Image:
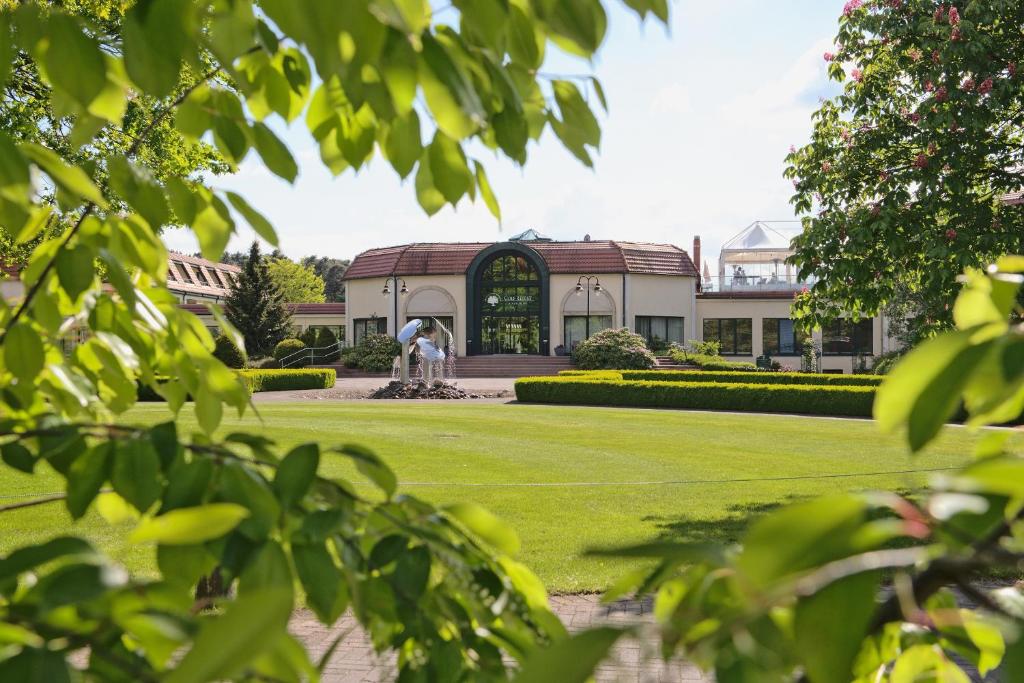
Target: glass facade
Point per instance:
(576, 328)
(781, 337)
(847, 338)
(510, 304)
(660, 331)
(734, 335)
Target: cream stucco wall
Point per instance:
(661, 295)
(564, 300)
(427, 295)
(759, 309)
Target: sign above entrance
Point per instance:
(495, 299)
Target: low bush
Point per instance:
(376, 352)
(268, 363)
(350, 357)
(328, 345)
(227, 353)
(615, 350)
(703, 348)
(854, 401)
(718, 363)
(308, 337)
(285, 380)
(752, 377)
(886, 362)
(595, 374)
(288, 348)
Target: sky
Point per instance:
(701, 116)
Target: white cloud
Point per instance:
(672, 99)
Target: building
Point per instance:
(534, 295)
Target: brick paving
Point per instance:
(635, 660)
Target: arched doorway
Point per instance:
(507, 300)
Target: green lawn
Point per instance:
(569, 478)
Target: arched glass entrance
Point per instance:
(508, 289)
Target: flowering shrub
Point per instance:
(615, 350)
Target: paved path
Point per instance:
(633, 660)
(348, 388)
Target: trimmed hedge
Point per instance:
(754, 377)
(817, 379)
(265, 380)
(853, 401)
(285, 380)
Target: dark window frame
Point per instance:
(719, 324)
(566, 319)
(798, 340)
(381, 323)
(856, 333)
(649, 334)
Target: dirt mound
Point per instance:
(420, 390)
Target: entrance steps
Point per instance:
(666, 363)
(484, 366)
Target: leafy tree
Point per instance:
(256, 305)
(297, 283)
(437, 585)
(332, 271)
(227, 353)
(905, 173)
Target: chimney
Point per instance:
(696, 259)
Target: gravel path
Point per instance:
(349, 388)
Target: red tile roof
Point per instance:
(182, 266)
(453, 258)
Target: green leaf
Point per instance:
(86, 477)
(403, 144)
(73, 60)
(33, 665)
(244, 487)
(157, 38)
(274, 153)
(371, 467)
(576, 26)
(926, 663)
(485, 525)
(321, 579)
(800, 537)
(30, 557)
(138, 187)
(212, 224)
(429, 197)
(575, 112)
(826, 642)
(254, 218)
(526, 41)
(448, 168)
(23, 351)
(75, 270)
(572, 660)
(228, 642)
(18, 457)
(296, 473)
(15, 178)
(448, 92)
(187, 526)
(599, 91)
(923, 390)
(114, 509)
(135, 474)
(268, 569)
(71, 179)
(408, 16)
(486, 192)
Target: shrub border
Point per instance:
(784, 378)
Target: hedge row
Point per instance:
(267, 380)
(285, 380)
(853, 401)
(818, 379)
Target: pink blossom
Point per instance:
(844, 134)
(915, 117)
(950, 234)
(876, 209)
(829, 56)
(883, 176)
(954, 16)
(1012, 69)
(941, 95)
(792, 149)
(929, 86)
(915, 55)
(985, 87)
(932, 148)
(826, 166)
(968, 84)
(936, 57)
(850, 6)
(921, 161)
(857, 75)
(940, 13)
(955, 35)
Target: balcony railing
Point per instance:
(755, 283)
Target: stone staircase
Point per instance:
(666, 363)
(484, 366)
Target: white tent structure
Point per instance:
(755, 259)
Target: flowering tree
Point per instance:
(404, 78)
(904, 179)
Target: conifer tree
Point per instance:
(256, 306)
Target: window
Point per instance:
(847, 338)
(576, 328)
(660, 330)
(202, 276)
(365, 326)
(781, 337)
(734, 335)
(180, 267)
